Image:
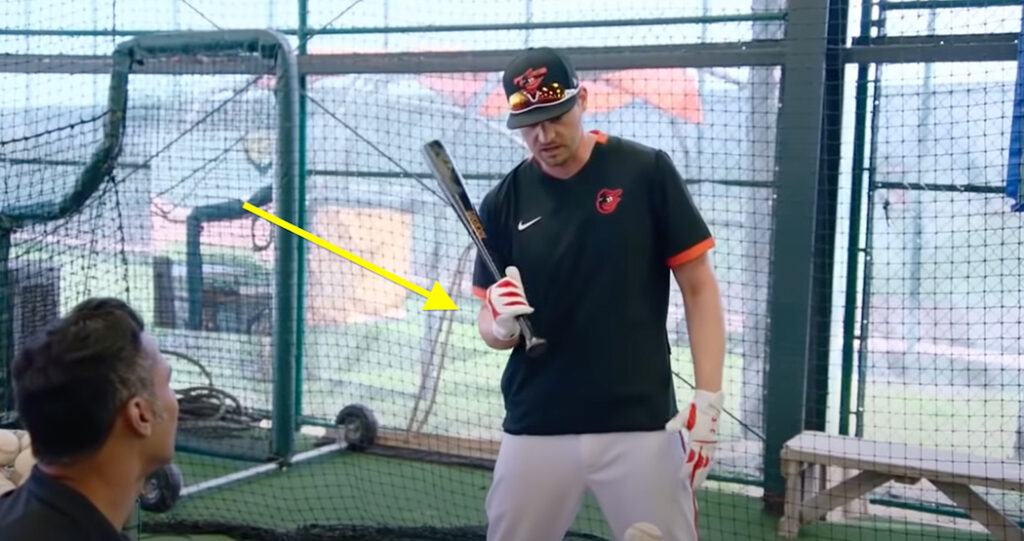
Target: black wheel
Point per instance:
(357, 427)
(162, 489)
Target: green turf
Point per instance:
(354, 488)
(184, 537)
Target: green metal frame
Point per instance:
(853, 245)
(99, 167)
(890, 5)
(795, 219)
(272, 45)
(225, 210)
(816, 410)
(300, 255)
(6, 331)
(127, 55)
(303, 27)
(286, 200)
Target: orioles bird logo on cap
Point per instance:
(531, 79)
(531, 92)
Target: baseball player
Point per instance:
(590, 231)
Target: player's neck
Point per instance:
(112, 486)
(576, 162)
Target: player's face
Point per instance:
(554, 142)
(160, 445)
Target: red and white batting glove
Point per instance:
(701, 422)
(507, 300)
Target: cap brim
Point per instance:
(540, 114)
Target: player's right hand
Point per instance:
(507, 300)
(700, 422)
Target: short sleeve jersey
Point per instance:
(595, 253)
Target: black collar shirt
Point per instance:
(44, 509)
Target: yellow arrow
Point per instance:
(437, 299)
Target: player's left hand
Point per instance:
(701, 421)
(507, 301)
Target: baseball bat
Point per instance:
(452, 185)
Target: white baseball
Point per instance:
(23, 467)
(9, 447)
(643, 531)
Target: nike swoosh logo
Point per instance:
(523, 226)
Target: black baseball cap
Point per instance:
(540, 84)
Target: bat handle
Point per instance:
(535, 345)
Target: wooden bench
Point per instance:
(805, 456)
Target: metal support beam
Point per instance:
(891, 5)
(827, 213)
(944, 48)
(424, 29)
(793, 238)
(301, 216)
(181, 65)
(751, 53)
(549, 25)
(853, 242)
(949, 187)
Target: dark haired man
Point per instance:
(94, 394)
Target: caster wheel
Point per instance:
(162, 488)
(357, 427)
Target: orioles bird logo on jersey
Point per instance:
(608, 199)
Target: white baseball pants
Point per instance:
(539, 483)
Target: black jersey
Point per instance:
(46, 509)
(595, 253)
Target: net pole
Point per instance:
(287, 204)
(300, 287)
(6, 321)
(854, 237)
(794, 220)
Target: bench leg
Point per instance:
(789, 524)
(980, 510)
(841, 494)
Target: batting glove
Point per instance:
(507, 300)
(701, 421)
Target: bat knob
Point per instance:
(535, 346)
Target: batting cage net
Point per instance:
(872, 371)
(934, 334)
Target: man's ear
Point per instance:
(581, 98)
(139, 416)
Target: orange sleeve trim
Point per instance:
(479, 292)
(691, 253)
(602, 137)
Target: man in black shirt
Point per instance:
(589, 230)
(94, 394)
